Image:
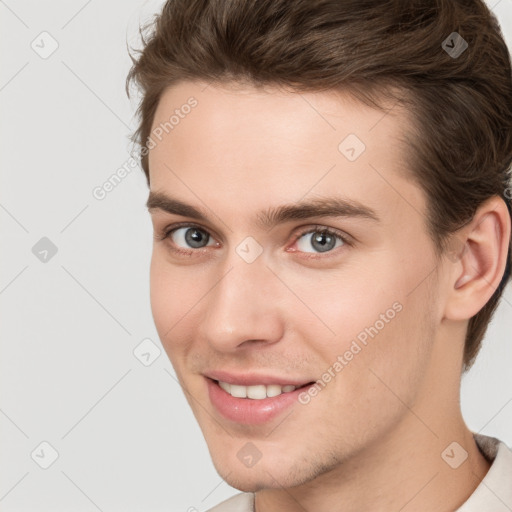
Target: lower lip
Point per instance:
(250, 411)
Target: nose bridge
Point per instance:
(240, 306)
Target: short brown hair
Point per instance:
(461, 105)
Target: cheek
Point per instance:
(356, 301)
(171, 296)
(388, 368)
(381, 327)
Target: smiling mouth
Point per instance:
(258, 391)
(255, 403)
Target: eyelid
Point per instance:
(169, 229)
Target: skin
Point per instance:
(372, 438)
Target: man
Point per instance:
(330, 200)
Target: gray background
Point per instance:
(125, 436)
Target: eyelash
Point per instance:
(166, 233)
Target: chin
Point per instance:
(248, 481)
(245, 484)
(264, 475)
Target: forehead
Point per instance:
(270, 114)
(269, 146)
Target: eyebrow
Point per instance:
(318, 207)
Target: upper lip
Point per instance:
(253, 379)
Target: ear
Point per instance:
(482, 256)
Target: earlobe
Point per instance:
(481, 264)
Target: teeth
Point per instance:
(225, 386)
(257, 392)
(238, 391)
(273, 390)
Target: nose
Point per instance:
(244, 308)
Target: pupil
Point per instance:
(324, 242)
(194, 237)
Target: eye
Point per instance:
(187, 238)
(321, 239)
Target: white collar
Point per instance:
(495, 490)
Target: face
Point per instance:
(259, 287)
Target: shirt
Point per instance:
(493, 494)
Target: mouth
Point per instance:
(253, 404)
